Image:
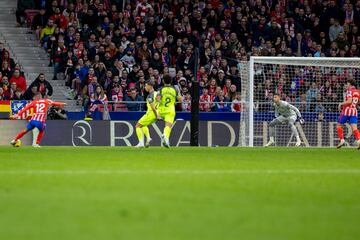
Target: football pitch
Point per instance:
(179, 193)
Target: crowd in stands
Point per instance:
(13, 83)
(106, 49)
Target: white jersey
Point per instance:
(285, 109)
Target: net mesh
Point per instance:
(314, 85)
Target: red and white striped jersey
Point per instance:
(40, 108)
(351, 109)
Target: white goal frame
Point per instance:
(248, 98)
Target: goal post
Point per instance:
(314, 85)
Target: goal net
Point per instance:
(314, 85)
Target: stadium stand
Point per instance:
(31, 60)
(124, 43)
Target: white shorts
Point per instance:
(286, 120)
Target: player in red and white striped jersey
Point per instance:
(349, 113)
(40, 107)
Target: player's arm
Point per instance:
(292, 107)
(347, 102)
(56, 104)
(24, 109)
(153, 108)
(158, 95)
(150, 99)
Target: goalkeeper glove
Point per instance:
(302, 121)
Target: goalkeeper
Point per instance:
(285, 113)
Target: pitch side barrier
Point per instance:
(212, 133)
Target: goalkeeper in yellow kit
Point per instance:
(149, 117)
(167, 97)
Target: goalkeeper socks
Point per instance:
(139, 134)
(340, 133)
(39, 137)
(357, 134)
(146, 132)
(20, 135)
(167, 131)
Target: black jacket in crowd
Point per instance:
(37, 83)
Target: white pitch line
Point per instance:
(179, 172)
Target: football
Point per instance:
(18, 143)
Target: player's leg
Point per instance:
(353, 123)
(142, 129)
(169, 120)
(139, 134)
(291, 123)
(166, 134)
(151, 118)
(277, 121)
(146, 132)
(41, 126)
(28, 128)
(342, 120)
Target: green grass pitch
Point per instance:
(179, 193)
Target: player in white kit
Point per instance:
(285, 113)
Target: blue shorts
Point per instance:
(348, 119)
(36, 124)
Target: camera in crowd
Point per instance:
(57, 113)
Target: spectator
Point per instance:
(39, 22)
(187, 60)
(42, 86)
(6, 69)
(6, 87)
(117, 97)
(221, 103)
(335, 29)
(311, 97)
(319, 108)
(18, 67)
(2, 93)
(30, 93)
(5, 58)
(59, 52)
(18, 95)
(19, 80)
(128, 59)
(231, 95)
(23, 5)
(89, 90)
(299, 46)
(206, 101)
(12, 90)
(226, 86)
(47, 31)
(98, 97)
(59, 19)
(236, 103)
(212, 87)
(133, 101)
(186, 103)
